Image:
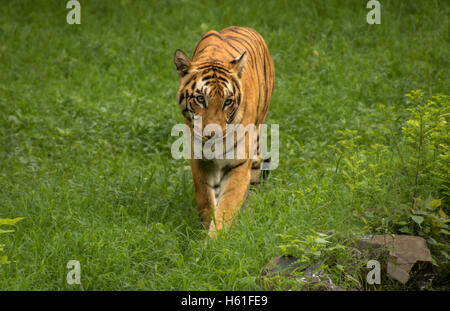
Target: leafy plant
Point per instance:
(427, 142)
(307, 249)
(426, 218)
(326, 253)
(6, 222)
(427, 136)
(411, 157)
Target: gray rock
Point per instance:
(288, 267)
(403, 258)
(408, 256)
(317, 279)
(282, 265)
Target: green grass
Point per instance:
(86, 113)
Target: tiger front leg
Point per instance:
(203, 192)
(236, 181)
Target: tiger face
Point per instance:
(211, 91)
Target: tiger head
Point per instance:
(211, 90)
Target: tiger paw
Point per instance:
(213, 230)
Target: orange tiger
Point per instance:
(229, 80)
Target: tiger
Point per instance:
(229, 81)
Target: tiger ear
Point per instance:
(239, 63)
(182, 62)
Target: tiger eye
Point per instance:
(228, 102)
(200, 99)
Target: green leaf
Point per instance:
(421, 212)
(436, 203)
(9, 221)
(445, 231)
(445, 255)
(417, 219)
(4, 260)
(321, 241)
(432, 241)
(319, 233)
(404, 230)
(6, 231)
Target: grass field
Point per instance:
(86, 113)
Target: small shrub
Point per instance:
(400, 183)
(6, 222)
(326, 252)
